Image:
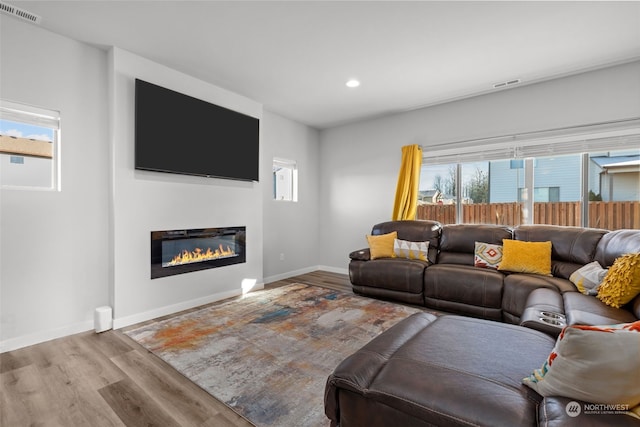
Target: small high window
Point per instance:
(285, 180)
(29, 146)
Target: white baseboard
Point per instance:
(305, 270)
(43, 336)
(336, 270)
(288, 274)
(174, 308)
(48, 335)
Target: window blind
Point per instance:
(606, 136)
(29, 114)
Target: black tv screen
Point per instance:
(177, 133)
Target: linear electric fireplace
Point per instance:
(184, 251)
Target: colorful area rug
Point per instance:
(268, 354)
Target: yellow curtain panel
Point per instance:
(406, 203)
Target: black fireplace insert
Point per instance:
(183, 251)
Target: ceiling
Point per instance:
(296, 56)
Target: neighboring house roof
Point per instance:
(605, 161)
(629, 166)
(430, 195)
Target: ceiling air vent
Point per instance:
(19, 13)
(505, 84)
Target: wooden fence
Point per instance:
(607, 215)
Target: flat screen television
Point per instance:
(177, 133)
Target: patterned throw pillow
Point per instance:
(526, 257)
(410, 250)
(487, 255)
(622, 282)
(588, 278)
(381, 246)
(596, 364)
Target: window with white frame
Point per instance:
(285, 180)
(583, 176)
(29, 147)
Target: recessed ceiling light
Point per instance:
(353, 83)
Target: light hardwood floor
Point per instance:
(107, 379)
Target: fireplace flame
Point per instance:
(199, 255)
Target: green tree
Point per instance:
(437, 183)
(449, 183)
(478, 187)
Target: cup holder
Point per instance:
(552, 315)
(551, 321)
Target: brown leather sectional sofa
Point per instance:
(467, 370)
(451, 371)
(450, 282)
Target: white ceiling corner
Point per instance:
(296, 56)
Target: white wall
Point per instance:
(291, 228)
(359, 162)
(53, 260)
(65, 253)
(95, 232)
(148, 201)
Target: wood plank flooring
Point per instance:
(107, 379)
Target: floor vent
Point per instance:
(504, 84)
(19, 13)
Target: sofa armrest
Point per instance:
(360, 255)
(544, 311)
(554, 412)
(545, 299)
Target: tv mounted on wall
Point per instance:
(177, 133)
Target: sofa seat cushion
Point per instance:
(583, 309)
(517, 288)
(462, 285)
(398, 274)
(449, 370)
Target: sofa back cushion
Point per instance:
(571, 247)
(458, 241)
(617, 243)
(414, 231)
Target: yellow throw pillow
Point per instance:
(381, 246)
(526, 257)
(622, 282)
